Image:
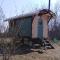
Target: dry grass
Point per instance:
(52, 54)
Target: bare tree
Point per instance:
(3, 25)
(55, 32)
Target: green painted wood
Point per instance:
(40, 29)
(23, 27)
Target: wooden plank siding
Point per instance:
(22, 26)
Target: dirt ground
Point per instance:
(51, 54)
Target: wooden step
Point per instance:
(48, 45)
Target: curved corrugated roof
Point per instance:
(39, 12)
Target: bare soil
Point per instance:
(50, 54)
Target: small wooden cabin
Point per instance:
(31, 25)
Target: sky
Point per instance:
(12, 8)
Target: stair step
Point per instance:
(48, 45)
(46, 41)
(51, 47)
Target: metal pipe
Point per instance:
(49, 4)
